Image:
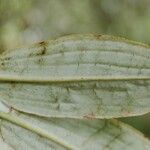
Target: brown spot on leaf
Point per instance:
(97, 36)
(2, 64)
(40, 52)
(89, 116)
(7, 58)
(43, 44)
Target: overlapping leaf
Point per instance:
(78, 76)
(27, 132)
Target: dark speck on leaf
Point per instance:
(2, 63)
(97, 35)
(7, 58)
(41, 51)
(43, 44)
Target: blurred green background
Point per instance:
(24, 22)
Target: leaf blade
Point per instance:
(73, 100)
(81, 76)
(80, 134)
(76, 51)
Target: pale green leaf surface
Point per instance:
(95, 99)
(78, 76)
(77, 57)
(37, 133)
(4, 145)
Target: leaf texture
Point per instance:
(45, 86)
(80, 76)
(22, 132)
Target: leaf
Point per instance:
(80, 76)
(22, 131)
(4, 146)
